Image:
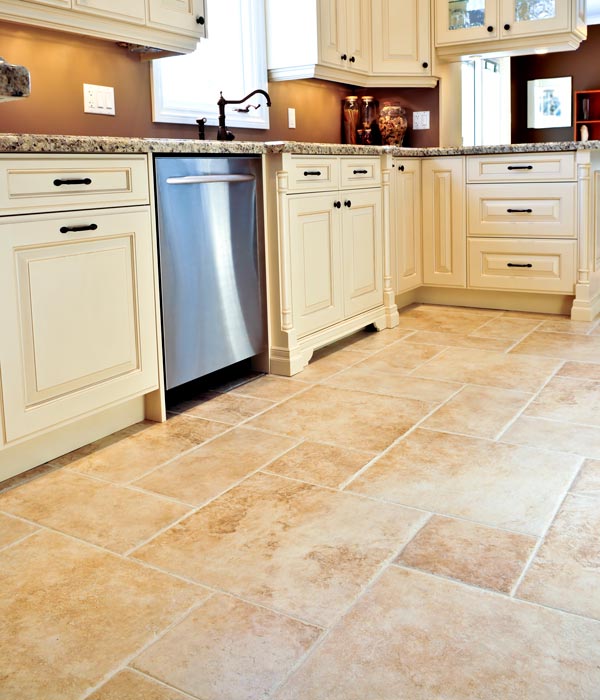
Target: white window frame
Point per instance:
(186, 109)
(475, 108)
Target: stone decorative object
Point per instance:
(14, 81)
(392, 124)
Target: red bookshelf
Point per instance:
(586, 110)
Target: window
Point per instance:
(485, 101)
(232, 59)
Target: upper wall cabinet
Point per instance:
(508, 27)
(167, 25)
(368, 43)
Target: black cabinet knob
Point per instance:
(490, 29)
(506, 27)
(425, 65)
(200, 19)
(401, 168)
(352, 59)
(344, 57)
(348, 203)
(337, 205)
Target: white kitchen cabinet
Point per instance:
(507, 27)
(169, 25)
(328, 253)
(367, 43)
(405, 214)
(444, 231)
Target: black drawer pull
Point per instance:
(78, 181)
(520, 167)
(360, 172)
(520, 211)
(77, 229)
(311, 172)
(519, 265)
(337, 205)
(348, 203)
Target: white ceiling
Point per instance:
(593, 11)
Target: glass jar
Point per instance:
(350, 118)
(392, 124)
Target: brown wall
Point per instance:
(60, 63)
(584, 67)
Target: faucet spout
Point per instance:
(222, 133)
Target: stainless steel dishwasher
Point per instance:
(211, 261)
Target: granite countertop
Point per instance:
(44, 143)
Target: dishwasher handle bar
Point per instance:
(204, 179)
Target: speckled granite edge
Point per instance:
(45, 143)
(14, 82)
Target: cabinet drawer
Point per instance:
(308, 174)
(360, 172)
(522, 266)
(521, 167)
(528, 209)
(57, 183)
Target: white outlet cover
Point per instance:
(98, 99)
(420, 120)
(291, 118)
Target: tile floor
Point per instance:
(416, 515)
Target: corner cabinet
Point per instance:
(507, 27)
(329, 259)
(367, 43)
(173, 26)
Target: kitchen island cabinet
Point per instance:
(405, 215)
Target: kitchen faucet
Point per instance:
(222, 133)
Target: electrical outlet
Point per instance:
(420, 120)
(98, 99)
(291, 118)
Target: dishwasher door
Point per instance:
(211, 263)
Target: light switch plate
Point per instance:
(98, 99)
(420, 120)
(291, 118)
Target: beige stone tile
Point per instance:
(349, 418)
(565, 325)
(510, 328)
(566, 399)
(565, 573)
(72, 613)
(270, 387)
(553, 435)
(445, 319)
(129, 685)
(567, 346)
(12, 529)
(580, 370)
(129, 456)
(401, 357)
(492, 483)
(323, 465)
(214, 467)
(293, 547)
(228, 408)
(418, 637)
(104, 514)
(228, 650)
(478, 410)
(473, 366)
(369, 341)
(326, 362)
(458, 340)
(587, 482)
(29, 475)
(476, 554)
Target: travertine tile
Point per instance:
(131, 456)
(566, 399)
(326, 362)
(228, 650)
(215, 466)
(587, 482)
(420, 637)
(228, 408)
(323, 465)
(567, 346)
(29, 475)
(270, 387)
(476, 554)
(472, 366)
(566, 570)
(107, 515)
(12, 529)
(478, 410)
(445, 319)
(369, 341)
(288, 545)
(566, 325)
(458, 340)
(583, 440)
(72, 613)
(348, 418)
(489, 482)
(580, 370)
(510, 328)
(129, 685)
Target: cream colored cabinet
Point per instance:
(405, 214)
(511, 27)
(444, 232)
(169, 25)
(368, 43)
(329, 266)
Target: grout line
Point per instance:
(20, 539)
(158, 681)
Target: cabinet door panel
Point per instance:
(444, 233)
(179, 15)
(332, 33)
(400, 37)
(406, 224)
(457, 22)
(316, 262)
(524, 18)
(358, 40)
(130, 11)
(362, 250)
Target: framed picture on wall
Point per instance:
(549, 103)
